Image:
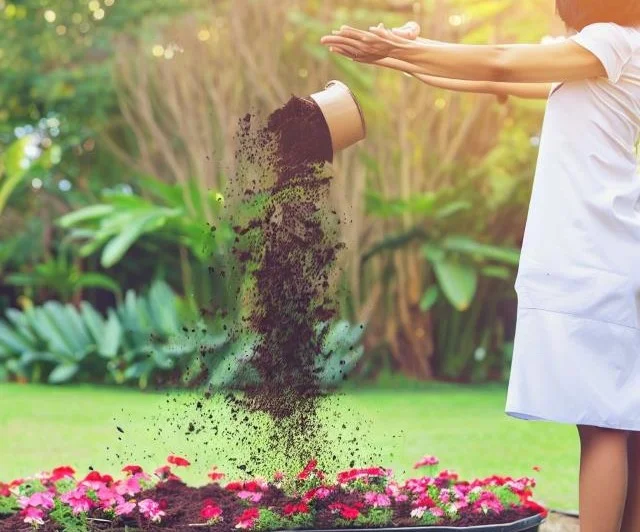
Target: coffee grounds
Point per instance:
(285, 249)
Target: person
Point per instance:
(576, 355)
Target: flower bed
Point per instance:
(357, 498)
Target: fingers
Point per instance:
(337, 40)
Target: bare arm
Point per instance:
(521, 90)
(535, 63)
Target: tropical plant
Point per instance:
(60, 343)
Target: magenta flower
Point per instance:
(426, 461)
(377, 500)
(128, 486)
(42, 499)
(33, 516)
(253, 496)
(77, 499)
(108, 497)
(125, 508)
(150, 509)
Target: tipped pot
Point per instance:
(342, 113)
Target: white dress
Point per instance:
(576, 355)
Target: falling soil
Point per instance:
(285, 249)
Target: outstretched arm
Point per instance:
(534, 63)
(500, 89)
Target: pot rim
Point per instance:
(521, 525)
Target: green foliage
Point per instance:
(506, 495)
(62, 277)
(375, 517)
(124, 219)
(64, 516)
(8, 505)
(298, 521)
(268, 520)
(141, 337)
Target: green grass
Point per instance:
(465, 427)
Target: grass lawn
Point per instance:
(464, 426)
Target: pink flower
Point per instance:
(178, 461)
(125, 508)
(215, 475)
(377, 500)
(278, 476)
(42, 499)
(33, 516)
(150, 509)
(128, 486)
(248, 518)
(77, 499)
(320, 492)
(253, 496)
(62, 472)
(210, 511)
(426, 461)
(108, 497)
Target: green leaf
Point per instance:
(458, 282)
(93, 320)
(468, 245)
(63, 373)
(92, 212)
(429, 297)
(499, 272)
(12, 339)
(111, 338)
(433, 252)
(453, 207)
(98, 280)
(120, 244)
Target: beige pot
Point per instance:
(342, 114)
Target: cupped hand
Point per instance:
(411, 30)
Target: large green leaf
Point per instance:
(98, 280)
(458, 282)
(111, 338)
(429, 298)
(63, 373)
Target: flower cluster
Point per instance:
(365, 497)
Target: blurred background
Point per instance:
(117, 123)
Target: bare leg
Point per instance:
(603, 478)
(631, 519)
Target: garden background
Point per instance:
(117, 122)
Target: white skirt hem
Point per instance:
(631, 426)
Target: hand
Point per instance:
(411, 30)
(365, 46)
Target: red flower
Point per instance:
(308, 469)
(215, 475)
(210, 510)
(346, 512)
(132, 469)
(234, 486)
(4, 490)
(95, 476)
(165, 473)
(295, 508)
(163, 504)
(178, 460)
(62, 472)
(532, 505)
(353, 474)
